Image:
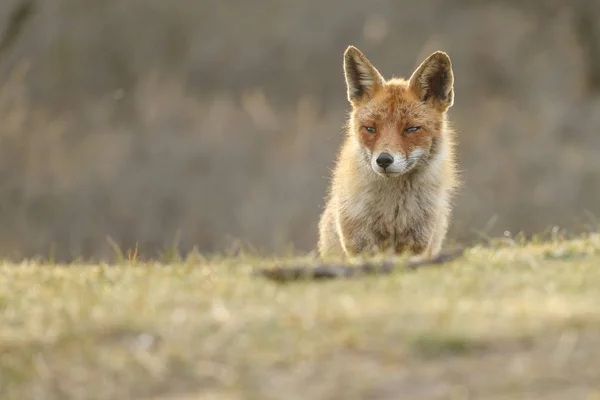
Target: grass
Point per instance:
(509, 321)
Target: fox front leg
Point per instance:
(353, 237)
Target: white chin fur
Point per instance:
(386, 174)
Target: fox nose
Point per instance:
(384, 160)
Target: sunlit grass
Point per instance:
(503, 321)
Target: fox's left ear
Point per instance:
(433, 81)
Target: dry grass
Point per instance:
(514, 320)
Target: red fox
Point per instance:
(395, 174)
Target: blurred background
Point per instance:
(210, 123)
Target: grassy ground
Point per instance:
(505, 322)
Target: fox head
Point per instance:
(398, 123)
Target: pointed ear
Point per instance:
(433, 81)
(362, 79)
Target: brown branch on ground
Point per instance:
(333, 271)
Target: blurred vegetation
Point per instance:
(155, 123)
(511, 321)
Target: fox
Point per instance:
(395, 174)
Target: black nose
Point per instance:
(384, 160)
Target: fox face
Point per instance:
(398, 123)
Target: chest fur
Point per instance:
(398, 215)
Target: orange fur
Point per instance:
(404, 204)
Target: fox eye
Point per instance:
(411, 129)
(370, 129)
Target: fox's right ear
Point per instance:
(362, 79)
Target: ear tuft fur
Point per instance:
(433, 81)
(362, 79)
